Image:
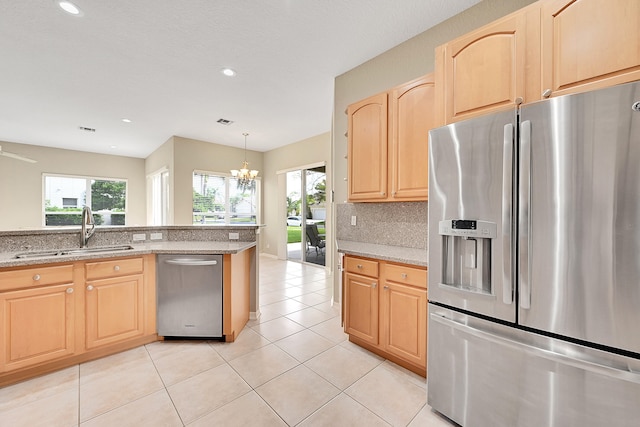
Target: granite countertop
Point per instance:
(7, 259)
(400, 254)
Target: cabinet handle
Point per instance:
(519, 100)
(383, 193)
(69, 290)
(116, 268)
(546, 93)
(374, 285)
(403, 275)
(359, 266)
(36, 277)
(386, 287)
(90, 287)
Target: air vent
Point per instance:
(86, 129)
(224, 122)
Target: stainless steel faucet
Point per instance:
(87, 219)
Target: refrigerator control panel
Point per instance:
(467, 228)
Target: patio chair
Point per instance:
(313, 238)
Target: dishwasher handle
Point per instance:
(191, 262)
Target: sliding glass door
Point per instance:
(306, 215)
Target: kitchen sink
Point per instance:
(74, 251)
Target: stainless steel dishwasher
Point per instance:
(190, 296)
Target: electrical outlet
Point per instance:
(139, 237)
(234, 236)
(353, 220)
(156, 236)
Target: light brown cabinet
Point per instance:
(361, 298)
(37, 323)
(388, 137)
(549, 48)
(114, 301)
(386, 310)
(57, 315)
(589, 44)
(490, 69)
(367, 149)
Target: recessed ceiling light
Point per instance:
(228, 72)
(69, 7)
(113, 147)
(126, 120)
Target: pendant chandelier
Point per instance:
(245, 176)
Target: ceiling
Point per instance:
(158, 63)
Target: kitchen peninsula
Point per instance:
(60, 305)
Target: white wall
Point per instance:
(21, 182)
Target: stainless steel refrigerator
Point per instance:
(534, 264)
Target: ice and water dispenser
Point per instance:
(466, 254)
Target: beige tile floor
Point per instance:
(294, 366)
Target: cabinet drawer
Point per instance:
(407, 275)
(114, 268)
(361, 266)
(37, 276)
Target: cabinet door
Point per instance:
(37, 325)
(589, 44)
(493, 68)
(361, 314)
(404, 322)
(412, 117)
(114, 310)
(367, 149)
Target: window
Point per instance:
(219, 199)
(69, 202)
(158, 188)
(64, 197)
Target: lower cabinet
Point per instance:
(404, 320)
(114, 301)
(62, 314)
(37, 325)
(361, 316)
(386, 309)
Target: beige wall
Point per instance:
(190, 155)
(303, 153)
(161, 158)
(402, 63)
(21, 189)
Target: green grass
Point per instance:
(293, 234)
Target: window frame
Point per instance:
(227, 212)
(87, 192)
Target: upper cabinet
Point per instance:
(492, 68)
(367, 148)
(549, 48)
(412, 117)
(589, 44)
(388, 143)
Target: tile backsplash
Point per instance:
(396, 224)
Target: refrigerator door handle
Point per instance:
(524, 220)
(507, 209)
(621, 373)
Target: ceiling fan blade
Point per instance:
(16, 156)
